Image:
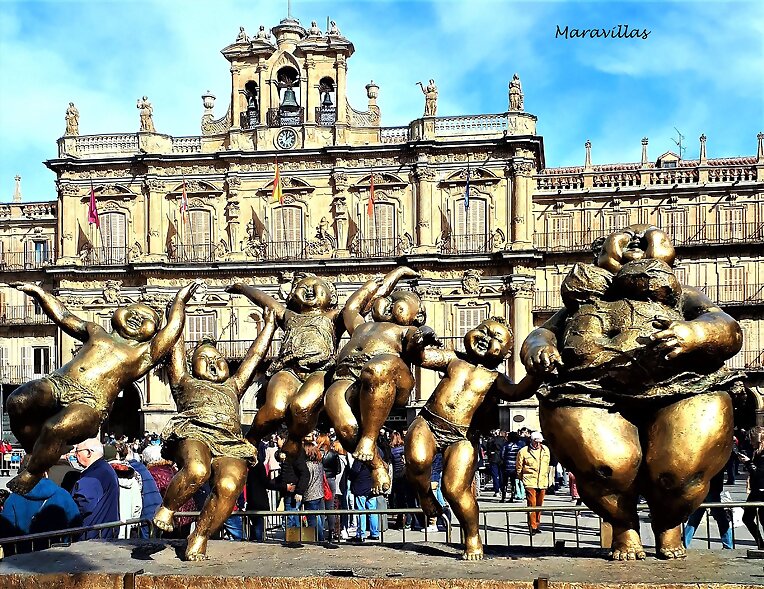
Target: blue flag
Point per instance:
(467, 190)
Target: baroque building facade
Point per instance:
(357, 199)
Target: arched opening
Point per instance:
(251, 117)
(289, 111)
(326, 113)
(125, 416)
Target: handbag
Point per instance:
(328, 495)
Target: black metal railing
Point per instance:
(285, 250)
(30, 260)
(566, 241)
(468, 243)
(106, 256)
(384, 247)
(22, 315)
(235, 349)
(326, 116)
(735, 294)
(199, 252)
(19, 374)
(249, 119)
(281, 118)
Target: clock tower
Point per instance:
(288, 91)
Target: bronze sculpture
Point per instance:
(445, 423)
(204, 437)
(373, 370)
(635, 399)
(69, 405)
(312, 326)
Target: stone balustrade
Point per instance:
(394, 134)
(114, 143)
(191, 144)
(470, 124)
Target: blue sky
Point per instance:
(701, 69)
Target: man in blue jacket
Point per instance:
(97, 492)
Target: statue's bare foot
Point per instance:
(669, 544)
(163, 519)
(197, 548)
(473, 549)
(366, 449)
(430, 505)
(23, 482)
(380, 480)
(626, 545)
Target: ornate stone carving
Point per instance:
(428, 292)
(522, 168)
(340, 180)
(324, 244)
(471, 281)
(111, 291)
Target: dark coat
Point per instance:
(96, 494)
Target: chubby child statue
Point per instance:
(635, 399)
(204, 438)
(445, 423)
(70, 404)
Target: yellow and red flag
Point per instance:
(370, 203)
(278, 195)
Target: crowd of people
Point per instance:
(105, 481)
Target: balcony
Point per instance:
(326, 116)
(106, 256)
(22, 315)
(285, 250)
(280, 118)
(18, 374)
(200, 252)
(748, 360)
(388, 247)
(735, 294)
(717, 234)
(31, 260)
(236, 349)
(469, 243)
(570, 241)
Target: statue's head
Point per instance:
(138, 322)
(311, 292)
(635, 242)
(207, 363)
(490, 342)
(401, 307)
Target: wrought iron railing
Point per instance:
(748, 360)
(717, 233)
(30, 260)
(281, 118)
(468, 243)
(22, 315)
(106, 256)
(384, 247)
(285, 250)
(567, 241)
(236, 349)
(735, 294)
(199, 252)
(326, 116)
(19, 374)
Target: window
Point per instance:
(731, 220)
(559, 231)
(287, 232)
(467, 318)
(470, 227)
(40, 361)
(381, 229)
(674, 224)
(612, 222)
(199, 245)
(732, 287)
(113, 237)
(200, 326)
(681, 275)
(105, 322)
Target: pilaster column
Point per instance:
(521, 287)
(340, 181)
(522, 204)
(261, 83)
(310, 110)
(152, 191)
(235, 104)
(341, 67)
(424, 177)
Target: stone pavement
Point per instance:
(155, 564)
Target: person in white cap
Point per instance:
(533, 468)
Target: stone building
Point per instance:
(357, 199)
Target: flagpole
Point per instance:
(99, 231)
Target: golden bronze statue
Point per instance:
(635, 399)
(312, 326)
(445, 424)
(373, 370)
(69, 405)
(204, 438)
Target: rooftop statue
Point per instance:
(72, 120)
(515, 94)
(430, 98)
(147, 115)
(636, 396)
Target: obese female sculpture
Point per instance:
(635, 400)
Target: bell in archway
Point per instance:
(289, 101)
(327, 101)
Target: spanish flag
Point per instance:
(370, 203)
(278, 195)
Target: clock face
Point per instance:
(286, 139)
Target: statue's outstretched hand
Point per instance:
(543, 359)
(675, 337)
(425, 336)
(27, 287)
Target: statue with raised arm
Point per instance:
(70, 404)
(204, 438)
(373, 371)
(635, 399)
(313, 326)
(147, 115)
(446, 423)
(72, 120)
(430, 98)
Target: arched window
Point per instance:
(326, 112)
(250, 118)
(287, 232)
(289, 111)
(198, 247)
(113, 236)
(471, 227)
